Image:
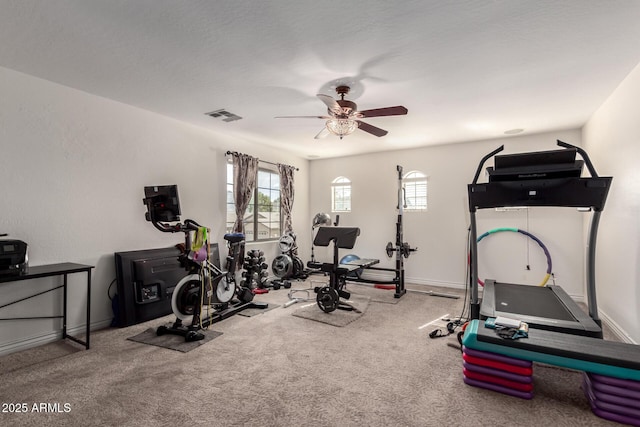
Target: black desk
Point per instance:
(62, 269)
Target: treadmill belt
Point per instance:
(531, 301)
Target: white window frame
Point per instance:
(413, 200)
(341, 192)
(255, 234)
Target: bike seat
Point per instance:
(234, 237)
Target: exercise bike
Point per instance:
(206, 285)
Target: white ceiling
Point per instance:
(465, 69)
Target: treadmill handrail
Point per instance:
(584, 156)
(579, 150)
(483, 161)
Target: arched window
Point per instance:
(341, 195)
(415, 191)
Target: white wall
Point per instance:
(441, 233)
(611, 138)
(73, 168)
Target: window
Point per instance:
(262, 218)
(415, 191)
(341, 195)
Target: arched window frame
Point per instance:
(341, 194)
(415, 191)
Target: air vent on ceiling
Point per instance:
(223, 114)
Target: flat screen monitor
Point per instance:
(146, 280)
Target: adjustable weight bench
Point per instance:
(328, 298)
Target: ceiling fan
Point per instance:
(343, 118)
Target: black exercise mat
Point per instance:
(250, 312)
(338, 318)
(173, 342)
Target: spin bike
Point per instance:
(207, 286)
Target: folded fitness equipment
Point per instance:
(207, 285)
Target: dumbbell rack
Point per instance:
(255, 272)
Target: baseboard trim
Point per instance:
(615, 328)
(373, 276)
(38, 340)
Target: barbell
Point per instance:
(405, 249)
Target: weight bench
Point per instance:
(328, 298)
(612, 369)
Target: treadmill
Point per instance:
(545, 178)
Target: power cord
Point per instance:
(451, 328)
(463, 318)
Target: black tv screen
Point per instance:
(146, 280)
(162, 203)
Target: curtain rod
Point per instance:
(235, 153)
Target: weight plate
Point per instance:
(287, 242)
(298, 266)
(327, 299)
(405, 250)
(390, 250)
(282, 266)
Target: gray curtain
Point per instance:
(286, 194)
(245, 173)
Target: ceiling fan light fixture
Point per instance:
(341, 127)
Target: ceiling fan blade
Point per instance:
(323, 133)
(378, 112)
(303, 117)
(334, 107)
(371, 129)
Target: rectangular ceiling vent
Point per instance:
(223, 114)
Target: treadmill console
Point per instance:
(537, 165)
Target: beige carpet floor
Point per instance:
(277, 369)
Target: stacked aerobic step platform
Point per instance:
(498, 373)
(614, 399)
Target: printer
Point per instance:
(14, 259)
